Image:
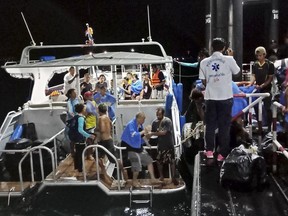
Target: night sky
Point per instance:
(177, 24)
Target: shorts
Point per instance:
(165, 156)
(138, 160)
(108, 144)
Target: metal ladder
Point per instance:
(144, 190)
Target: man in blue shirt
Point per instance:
(107, 99)
(132, 139)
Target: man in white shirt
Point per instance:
(70, 80)
(216, 73)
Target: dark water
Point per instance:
(90, 200)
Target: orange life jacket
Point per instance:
(155, 78)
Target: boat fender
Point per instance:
(168, 105)
(174, 87)
(17, 133)
(182, 121)
(179, 96)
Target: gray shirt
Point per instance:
(164, 142)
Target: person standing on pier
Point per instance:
(216, 74)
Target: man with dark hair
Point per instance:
(158, 82)
(163, 129)
(262, 76)
(70, 80)
(105, 139)
(81, 136)
(109, 100)
(216, 73)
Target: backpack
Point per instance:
(73, 132)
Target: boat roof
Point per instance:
(92, 59)
(98, 59)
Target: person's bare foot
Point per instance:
(175, 181)
(156, 181)
(125, 175)
(136, 184)
(90, 158)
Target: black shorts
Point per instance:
(108, 144)
(165, 156)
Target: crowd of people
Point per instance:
(93, 122)
(213, 104)
(212, 99)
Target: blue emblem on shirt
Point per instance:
(215, 67)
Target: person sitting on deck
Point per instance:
(101, 82)
(80, 137)
(147, 88)
(162, 127)
(132, 139)
(104, 129)
(86, 85)
(109, 100)
(126, 88)
(136, 87)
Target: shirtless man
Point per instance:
(105, 138)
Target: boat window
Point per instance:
(56, 82)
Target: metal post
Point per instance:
(237, 42)
(208, 24)
(222, 15)
(274, 21)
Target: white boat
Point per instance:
(45, 112)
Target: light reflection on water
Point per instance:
(86, 201)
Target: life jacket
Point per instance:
(155, 78)
(73, 132)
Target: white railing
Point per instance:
(97, 162)
(275, 106)
(7, 121)
(249, 108)
(29, 152)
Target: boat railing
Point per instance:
(7, 121)
(97, 162)
(33, 149)
(49, 104)
(248, 109)
(25, 57)
(30, 152)
(10, 120)
(277, 145)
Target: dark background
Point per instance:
(177, 24)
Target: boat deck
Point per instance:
(65, 175)
(213, 199)
(14, 188)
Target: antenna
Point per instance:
(32, 40)
(148, 16)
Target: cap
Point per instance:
(145, 73)
(88, 94)
(260, 50)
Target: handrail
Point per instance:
(248, 108)
(97, 160)
(31, 164)
(8, 114)
(277, 105)
(8, 123)
(25, 57)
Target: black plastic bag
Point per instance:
(243, 170)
